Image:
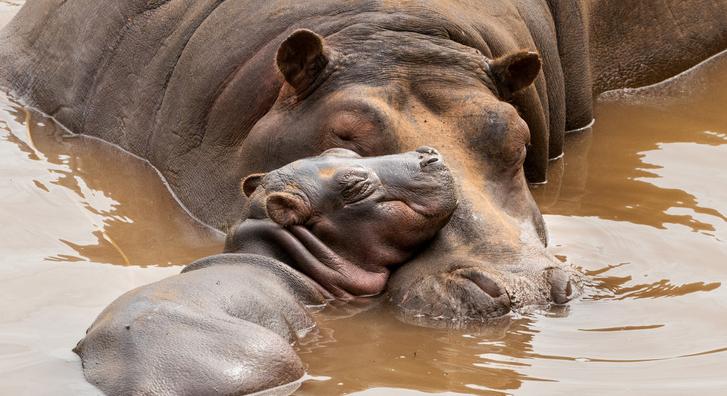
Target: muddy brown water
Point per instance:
(639, 203)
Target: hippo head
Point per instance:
(380, 91)
(352, 216)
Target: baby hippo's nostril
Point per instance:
(427, 161)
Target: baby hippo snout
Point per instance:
(427, 156)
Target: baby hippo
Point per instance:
(316, 229)
(346, 218)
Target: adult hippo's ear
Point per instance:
(301, 58)
(514, 72)
(249, 184)
(287, 209)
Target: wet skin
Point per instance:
(212, 91)
(318, 229)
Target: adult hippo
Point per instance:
(209, 91)
(224, 326)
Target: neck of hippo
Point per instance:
(297, 247)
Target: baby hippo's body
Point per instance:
(316, 229)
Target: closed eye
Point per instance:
(357, 189)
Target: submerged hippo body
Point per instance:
(318, 229)
(210, 91)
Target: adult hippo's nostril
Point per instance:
(486, 284)
(561, 290)
(500, 300)
(461, 295)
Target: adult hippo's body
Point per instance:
(210, 91)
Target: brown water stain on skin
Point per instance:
(327, 172)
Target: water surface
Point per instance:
(639, 203)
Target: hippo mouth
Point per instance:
(340, 277)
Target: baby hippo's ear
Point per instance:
(287, 209)
(251, 183)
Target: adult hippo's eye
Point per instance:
(503, 137)
(360, 131)
(518, 143)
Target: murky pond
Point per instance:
(640, 203)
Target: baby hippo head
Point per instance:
(372, 211)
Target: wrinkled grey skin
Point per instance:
(318, 229)
(226, 328)
(210, 91)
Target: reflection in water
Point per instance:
(136, 220)
(661, 288)
(403, 356)
(614, 182)
(626, 328)
(74, 200)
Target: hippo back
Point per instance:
(180, 82)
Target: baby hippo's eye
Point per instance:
(356, 184)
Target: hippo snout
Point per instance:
(427, 161)
(464, 288)
(428, 156)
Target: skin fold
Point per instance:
(320, 229)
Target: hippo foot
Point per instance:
(478, 292)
